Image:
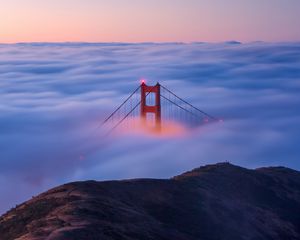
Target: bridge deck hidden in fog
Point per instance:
(154, 108)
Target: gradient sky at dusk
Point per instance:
(145, 20)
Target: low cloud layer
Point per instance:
(53, 97)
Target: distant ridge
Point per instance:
(233, 42)
(219, 201)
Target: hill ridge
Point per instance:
(217, 201)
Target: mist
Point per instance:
(55, 96)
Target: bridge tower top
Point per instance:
(151, 109)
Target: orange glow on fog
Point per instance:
(169, 129)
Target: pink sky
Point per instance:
(149, 20)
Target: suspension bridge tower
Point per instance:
(149, 105)
(152, 108)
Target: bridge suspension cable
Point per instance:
(131, 111)
(118, 108)
(197, 109)
(184, 109)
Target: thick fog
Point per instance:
(54, 96)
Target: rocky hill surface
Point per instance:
(213, 202)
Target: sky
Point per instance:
(54, 96)
(149, 20)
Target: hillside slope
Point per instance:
(220, 201)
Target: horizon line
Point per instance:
(146, 42)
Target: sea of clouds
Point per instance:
(53, 97)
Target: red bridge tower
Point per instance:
(152, 109)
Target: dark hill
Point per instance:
(219, 201)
